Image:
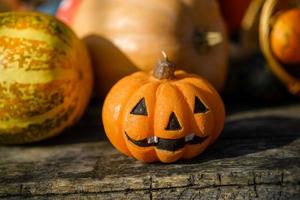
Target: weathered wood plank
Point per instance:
(258, 156)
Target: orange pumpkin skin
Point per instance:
(161, 99)
(45, 77)
(285, 37)
(125, 36)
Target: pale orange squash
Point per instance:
(45, 77)
(124, 36)
(163, 116)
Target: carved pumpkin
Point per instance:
(124, 36)
(285, 37)
(45, 77)
(162, 117)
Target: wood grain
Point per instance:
(257, 157)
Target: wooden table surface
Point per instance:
(257, 157)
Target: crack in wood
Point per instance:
(152, 190)
(219, 178)
(282, 178)
(254, 185)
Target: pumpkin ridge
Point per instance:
(117, 99)
(210, 110)
(191, 109)
(196, 88)
(218, 105)
(132, 148)
(158, 91)
(187, 107)
(158, 88)
(123, 111)
(170, 84)
(184, 97)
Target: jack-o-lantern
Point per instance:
(163, 117)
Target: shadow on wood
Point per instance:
(247, 136)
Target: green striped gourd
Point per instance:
(45, 77)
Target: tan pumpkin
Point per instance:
(124, 36)
(163, 117)
(45, 77)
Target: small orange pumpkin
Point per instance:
(285, 37)
(164, 116)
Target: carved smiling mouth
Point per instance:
(168, 144)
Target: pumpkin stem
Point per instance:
(203, 40)
(164, 69)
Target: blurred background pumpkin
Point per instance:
(124, 36)
(111, 43)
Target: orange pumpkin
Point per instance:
(163, 117)
(45, 77)
(124, 36)
(285, 37)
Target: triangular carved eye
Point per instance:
(140, 108)
(199, 106)
(173, 123)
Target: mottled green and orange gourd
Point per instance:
(45, 77)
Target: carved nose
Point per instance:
(173, 123)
